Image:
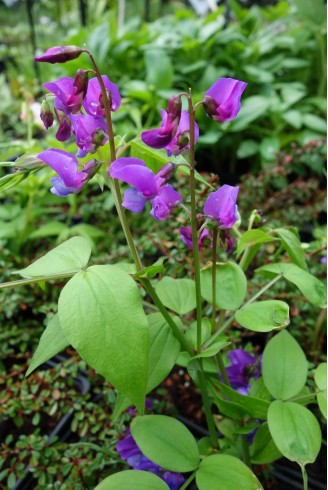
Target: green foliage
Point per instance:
(263, 449)
(264, 316)
(134, 480)
(284, 366)
(177, 294)
(104, 302)
(166, 442)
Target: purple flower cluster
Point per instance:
(79, 107)
(243, 367)
(130, 452)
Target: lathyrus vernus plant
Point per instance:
(261, 401)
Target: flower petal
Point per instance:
(134, 200)
(134, 172)
(65, 164)
(221, 206)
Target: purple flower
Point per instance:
(180, 141)
(186, 236)
(64, 129)
(163, 136)
(69, 97)
(60, 54)
(222, 100)
(93, 102)
(221, 206)
(242, 369)
(146, 187)
(46, 115)
(130, 452)
(69, 179)
(90, 132)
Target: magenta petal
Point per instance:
(134, 172)
(62, 88)
(221, 206)
(92, 101)
(186, 235)
(63, 163)
(85, 129)
(166, 200)
(60, 54)
(180, 141)
(134, 200)
(157, 138)
(225, 94)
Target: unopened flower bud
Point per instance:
(60, 54)
(210, 105)
(28, 162)
(81, 80)
(98, 137)
(90, 169)
(165, 173)
(174, 108)
(46, 115)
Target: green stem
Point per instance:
(213, 337)
(222, 369)
(187, 482)
(245, 450)
(24, 282)
(309, 396)
(115, 188)
(305, 478)
(207, 406)
(215, 237)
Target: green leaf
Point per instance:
(164, 350)
(101, 315)
(11, 180)
(314, 122)
(247, 148)
(220, 343)
(255, 407)
(263, 450)
(54, 228)
(284, 366)
(52, 341)
(152, 270)
(166, 442)
(293, 246)
(225, 472)
(264, 316)
(177, 294)
(313, 13)
(231, 285)
(251, 238)
(294, 118)
(69, 257)
(132, 480)
(252, 108)
(320, 377)
(269, 148)
(121, 403)
(313, 289)
(159, 69)
(295, 431)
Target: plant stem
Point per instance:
(222, 369)
(115, 188)
(215, 237)
(34, 280)
(245, 449)
(187, 482)
(213, 337)
(305, 478)
(201, 375)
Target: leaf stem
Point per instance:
(305, 478)
(188, 481)
(215, 237)
(34, 280)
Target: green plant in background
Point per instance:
(100, 309)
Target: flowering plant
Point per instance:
(101, 314)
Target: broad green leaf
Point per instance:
(132, 480)
(320, 377)
(54, 228)
(294, 118)
(313, 289)
(264, 316)
(255, 407)
(69, 257)
(101, 315)
(314, 122)
(152, 270)
(231, 285)
(166, 442)
(252, 108)
(263, 450)
(251, 238)
(293, 246)
(164, 350)
(269, 148)
(284, 366)
(247, 148)
(225, 472)
(191, 332)
(230, 409)
(295, 431)
(177, 294)
(159, 69)
(52, 341)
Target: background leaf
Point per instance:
(177, 294)
(132, 480)
(264, 316)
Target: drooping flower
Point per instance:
(69, 179)
(130, 452)
(46, 115)
(69, 97)
(222, 100)
(146, 187)
(186, 236)
(60, 54)
(162, 136)
(221, 206)
(242, 369)
(180, 141)
(93, 102)
(90, 132)
(64, 129)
